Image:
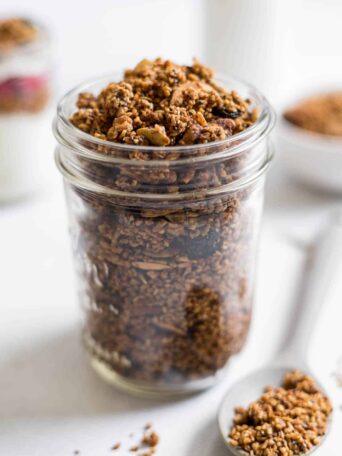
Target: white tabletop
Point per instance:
(52, 403)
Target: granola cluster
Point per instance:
(320, 114)
(16, 32)
(160, 103)
(166, 284)
(285, 421)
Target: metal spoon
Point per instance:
(325, 257)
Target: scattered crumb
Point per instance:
(151, 439)
(146, 446)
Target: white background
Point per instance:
(94, 38)
(50, 400)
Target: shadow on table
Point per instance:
(55, 379)
(211, 445)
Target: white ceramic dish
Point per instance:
(312, 158)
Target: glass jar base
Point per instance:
(157, 390)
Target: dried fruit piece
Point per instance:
(226, 113)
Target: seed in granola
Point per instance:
(288, 420)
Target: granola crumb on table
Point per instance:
(116, 446)
(149, 442)
(285, 421)
(147, 446)
(167, 287)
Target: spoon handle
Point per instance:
(323, 261)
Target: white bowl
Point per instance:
(311, 158)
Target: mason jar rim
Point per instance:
(72, 137)
(233, 186)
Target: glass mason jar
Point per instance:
(25, 92)
(165, 246)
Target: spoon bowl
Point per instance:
(248, 390)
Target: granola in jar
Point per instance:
(164, 188)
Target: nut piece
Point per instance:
(155, 135)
